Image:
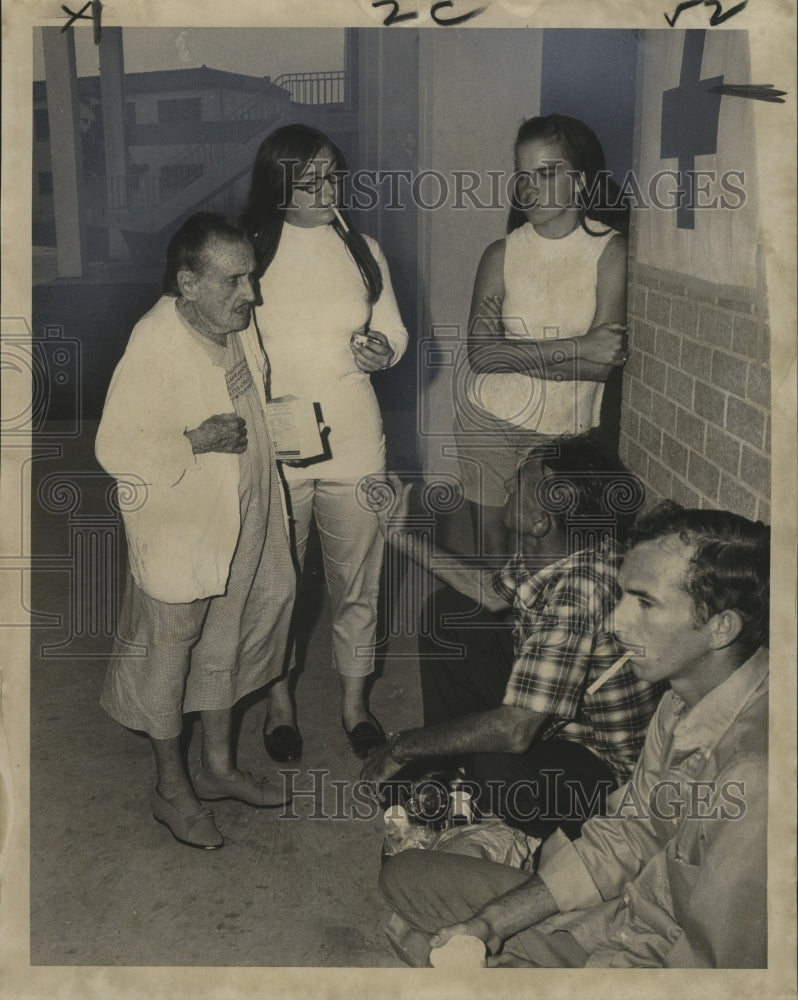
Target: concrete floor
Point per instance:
(110, 886)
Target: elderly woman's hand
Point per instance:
(373, 355)
(225, 432)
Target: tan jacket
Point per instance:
(678, 876)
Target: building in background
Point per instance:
(190, 139)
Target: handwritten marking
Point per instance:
(394, 17)
(95, 17)
(719, 15)
(457, 19)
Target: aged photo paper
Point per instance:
(425, 99)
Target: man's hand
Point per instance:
(522, 906)
(224, 432)
(375, 354)
(606, 344)
(476, 927)
(379, 766)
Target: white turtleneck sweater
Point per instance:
(314, 298)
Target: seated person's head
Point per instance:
(694, 582)
(572, 490)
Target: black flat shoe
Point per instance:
(283, 744)
(364, 736)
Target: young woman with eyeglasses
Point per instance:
(328, 318)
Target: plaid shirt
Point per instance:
(561, 648)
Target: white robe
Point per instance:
(180, 510)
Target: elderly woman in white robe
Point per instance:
(211, 585)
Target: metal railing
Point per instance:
(322, 87)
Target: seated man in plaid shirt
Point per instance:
(515, 705)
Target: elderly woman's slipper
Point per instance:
(253, 792)
(198, 830)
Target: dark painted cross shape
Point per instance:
(690, 114)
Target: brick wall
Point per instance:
(695, 419)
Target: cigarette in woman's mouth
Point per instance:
(340, 220)
(610, 672)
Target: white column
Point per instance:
(65, 151)
(112, 83)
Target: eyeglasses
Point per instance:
(315, 186)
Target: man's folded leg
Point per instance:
(432, 889)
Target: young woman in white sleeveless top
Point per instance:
(548, 316)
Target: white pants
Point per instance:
(353, 548)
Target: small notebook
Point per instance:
(294, 428)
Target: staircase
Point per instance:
(201, 177)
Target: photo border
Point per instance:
(771, 32)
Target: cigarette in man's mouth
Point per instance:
(610, 672)
(338, 217)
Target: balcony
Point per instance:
(313, 89)
(202, 175)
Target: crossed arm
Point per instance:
(590, 357)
